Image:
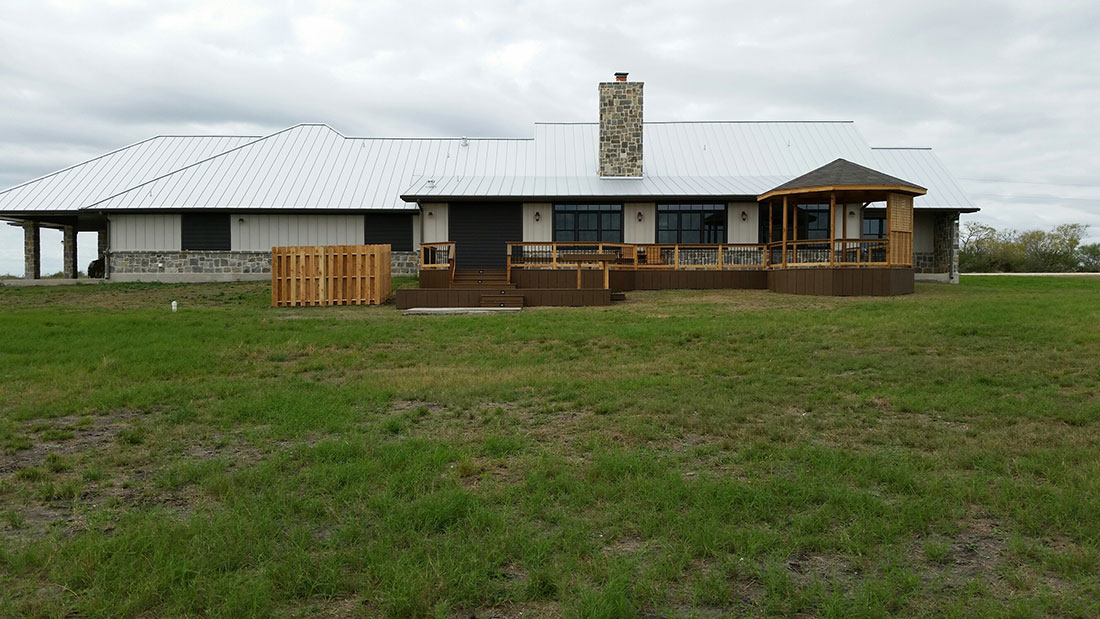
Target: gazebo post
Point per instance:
(784, 231)
(844, 233)
(832, 228)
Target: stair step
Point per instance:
(501, 300)
(618, 296)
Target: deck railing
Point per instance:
(631, 256)
(816, 253)
(640, 256)
(438, 257)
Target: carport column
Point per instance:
(32, 257)
(68, 252)
(104, 238)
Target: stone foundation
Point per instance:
(404, 263)
(198, 266)
(942, 263)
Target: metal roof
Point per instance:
(77, 186)
(922, 166)
(695, 159)
(312, 166)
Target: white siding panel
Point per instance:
(145, 232)
(924, 231)
(643, 231)
(262, 232)
(435, 223)
(747, 231)
(541, 230)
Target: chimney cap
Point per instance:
(621, 76)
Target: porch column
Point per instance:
(832, 228)
(104, 243)
(32, 255)
(784, 231)
(69, 267)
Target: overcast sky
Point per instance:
(1007, 93)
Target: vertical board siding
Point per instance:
(434, 223)
(262, 232)
(330, 275)
(144, 232)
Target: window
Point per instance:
(204, 232)
(588, 223)
(691, 223)
(874, 228)
(393, 229)
(813, 221)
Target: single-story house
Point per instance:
(206, 208)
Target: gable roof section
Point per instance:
(312, 166)
(85, 183)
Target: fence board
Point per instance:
(311, 275)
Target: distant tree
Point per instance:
(1090, 258)
(983, 248)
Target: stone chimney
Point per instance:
(620, 127)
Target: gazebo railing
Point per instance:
(816, 253)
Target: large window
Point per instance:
(588, 223)
(874, 228)
(204, 232)
(813, 221)
(691, 223)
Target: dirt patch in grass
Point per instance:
(67, 436)
(531, 610)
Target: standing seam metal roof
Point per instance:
(77, 186)
(312, 166)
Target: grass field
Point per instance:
(688, 453)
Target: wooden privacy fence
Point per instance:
(330, 275)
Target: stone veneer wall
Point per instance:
(222, 263)
(944, 257)
(620, 129)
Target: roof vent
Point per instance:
(430, 184)
(465, 142)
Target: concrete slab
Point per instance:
(447, 311)
(18, 283)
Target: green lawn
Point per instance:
(684, 453)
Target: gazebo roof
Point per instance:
(843, 175)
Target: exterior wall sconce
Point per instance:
(537, 216)
(240, 220)
(430, 213)
(639, 215)
(744, 216)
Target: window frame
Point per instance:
(704, 210)
(599, 220)
(197, 232)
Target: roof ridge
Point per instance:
(226, 152)
(901, 148)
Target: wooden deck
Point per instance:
(574, 274)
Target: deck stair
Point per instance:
(482, 278)
(502, 300)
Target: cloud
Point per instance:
(1001, 89)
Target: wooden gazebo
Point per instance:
(881, 265)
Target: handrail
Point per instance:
(437, 256)
(862, 252)
(634, 256)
